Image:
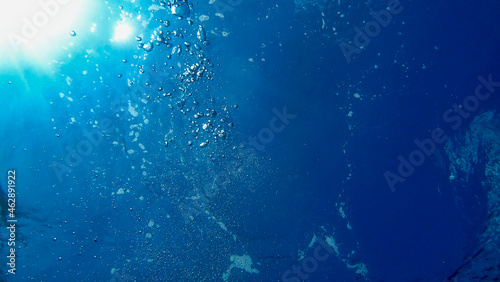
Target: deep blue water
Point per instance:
(178, 209)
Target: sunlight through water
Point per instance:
(33, 33)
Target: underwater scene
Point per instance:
(248, 140)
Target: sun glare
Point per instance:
(34, 31)
(122, 32)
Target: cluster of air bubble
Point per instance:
(206, 125)
(188, 69)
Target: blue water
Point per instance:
(115, 181)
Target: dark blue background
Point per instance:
(420, 232)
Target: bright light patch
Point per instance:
(35, 31)
(122, 32)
